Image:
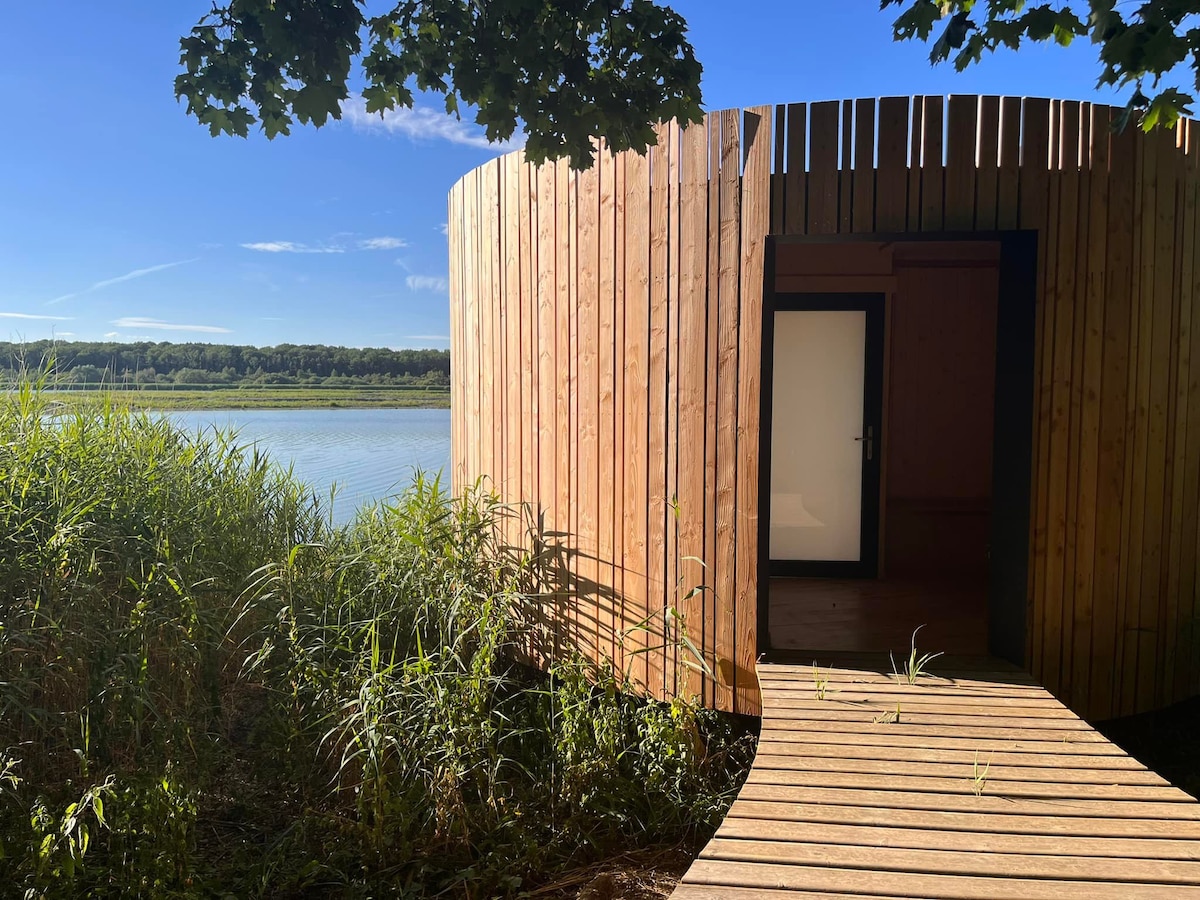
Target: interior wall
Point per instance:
(938, 439)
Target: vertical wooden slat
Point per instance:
(863, 218)
(915, 134)
(987, 172)
(525, 348)
(1076, 607)
(471, 322)
(932, 168)
(779, 176)
(727, 410)
(755, 222)
(1008, 178)
(891, 185)
(1061, 307)
(571, 282)
(496, 284)
(961, 147)
(1094, 255)
(1178, 562)
(796, 214)
(845, 170)
(823, 169)
(673, 685)
(1188, 635)
(1034, 213)
(453, 230)
(1153, 602)
(606, 411)
(488, 383)
(1190, 596)
(637, 355)
(1110, 462)
(693, 288)
(547, 374)
(621, 608)
(712, 347)
(513, 173)
(656, 475)
(1139, 400)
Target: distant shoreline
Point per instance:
(281, 397)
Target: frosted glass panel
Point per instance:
(816, 463)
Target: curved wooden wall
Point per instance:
(606, 332)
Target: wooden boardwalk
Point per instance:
(973, 783)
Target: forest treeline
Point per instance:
(84, 362)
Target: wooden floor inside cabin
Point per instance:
(973, 783)
(878, 615)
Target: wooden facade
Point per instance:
(608, 334)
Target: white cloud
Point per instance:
(159, 325)
(112, 334)
(63, 334)
(14, 315)
(426, 283)
(382, 243)
(128, 276)
(421, 123)
(444, 228)
(289, 247)
(427, 337)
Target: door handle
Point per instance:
(869, 437)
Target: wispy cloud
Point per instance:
(382, 243)
(128, 276)
(16, 315)
(444, 228)
(63, 334)
(337, 245)
(160, 325)
(426, 283)
(422, 123)
(290, 247)
(112, 334)
(427, 337)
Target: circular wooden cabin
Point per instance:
(850, 368)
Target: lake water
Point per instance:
(368, 453)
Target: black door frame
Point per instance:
(1012, 448)
(873, 305)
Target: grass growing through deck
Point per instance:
(206, 690)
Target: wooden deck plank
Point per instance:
(974, 793)
(916, 884)
(992, 785)
(977, 842)
(952, 820)
(950, 862)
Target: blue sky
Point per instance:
(120, 217)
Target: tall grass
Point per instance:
(205, 689)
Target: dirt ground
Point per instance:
(642, 875)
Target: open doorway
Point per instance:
(883, 363)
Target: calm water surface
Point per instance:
(368, 453)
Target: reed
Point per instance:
(207, 689)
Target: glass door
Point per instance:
(826, 442)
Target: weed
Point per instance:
(979, 775)
(820, 683)
(888, 717)
(914, 667)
